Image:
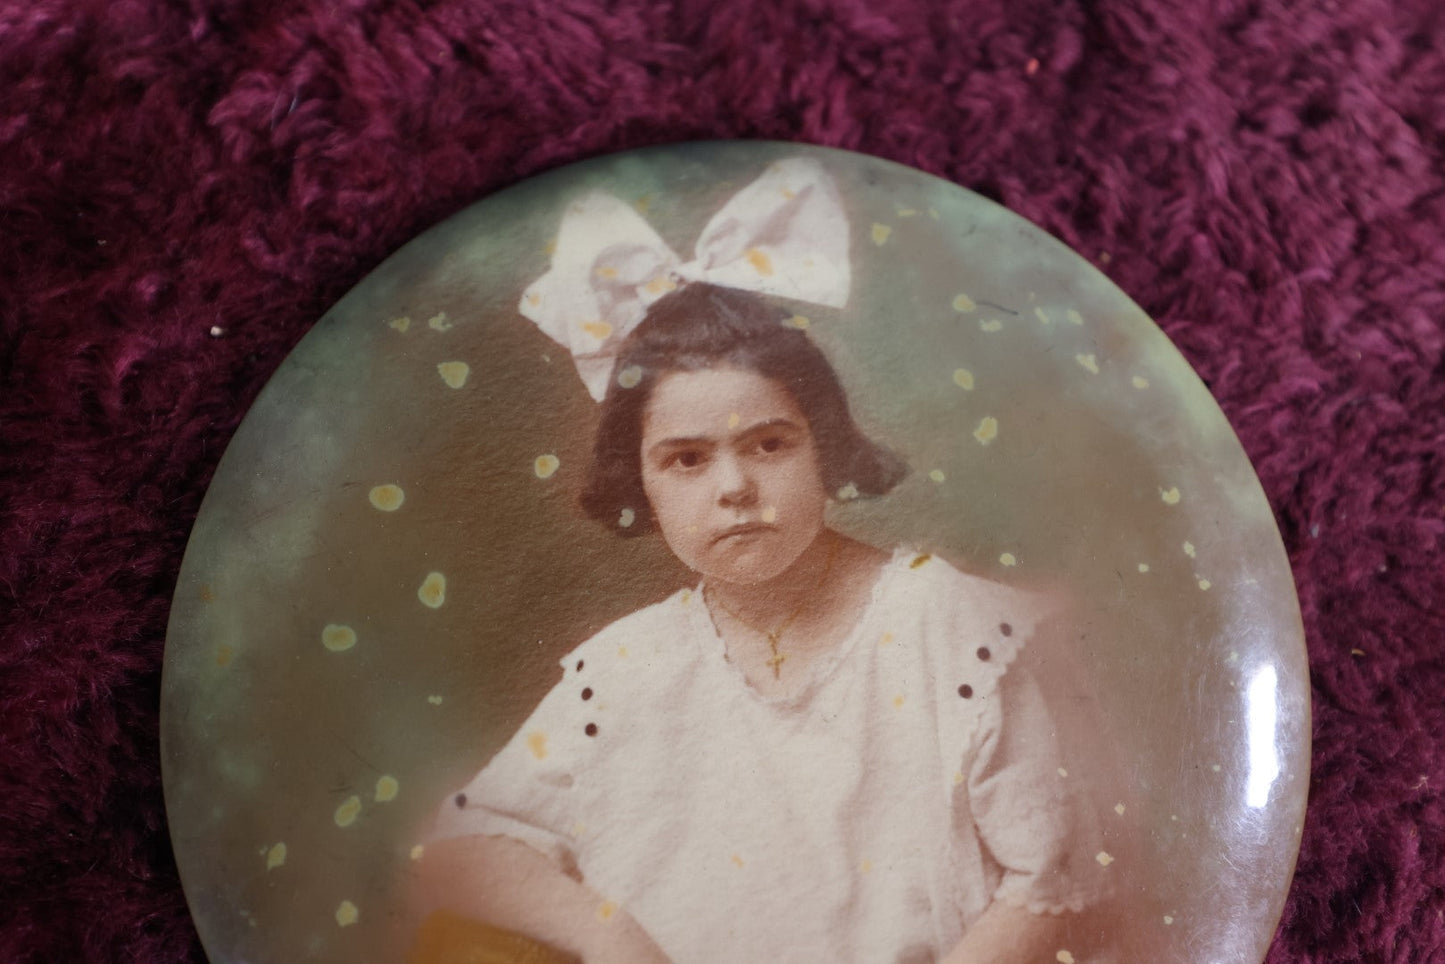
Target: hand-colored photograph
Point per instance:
(732, 553)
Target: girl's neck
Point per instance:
(776, 631)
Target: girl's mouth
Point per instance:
(741, 530)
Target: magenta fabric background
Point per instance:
(185, 186)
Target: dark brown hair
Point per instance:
(700, 327)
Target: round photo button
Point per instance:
(735, 552)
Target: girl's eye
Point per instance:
(772, 443)
(687, 459)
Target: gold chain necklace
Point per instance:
(774, 635)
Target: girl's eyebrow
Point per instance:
(680, 441)
(685, 441)
(779, 422)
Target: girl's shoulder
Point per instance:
(939, 588)
(640, 643)
(970, 628)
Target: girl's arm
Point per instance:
(506, 883)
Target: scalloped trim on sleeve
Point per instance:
(1034, 904)
(466, 819)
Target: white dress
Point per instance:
(870, 818)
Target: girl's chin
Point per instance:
(745, 569)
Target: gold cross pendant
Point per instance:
(776, 662)
(777, 659)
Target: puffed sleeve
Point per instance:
(1031, 815)
(530, 790)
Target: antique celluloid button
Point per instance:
(735, 552)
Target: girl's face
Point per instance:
(731, 470)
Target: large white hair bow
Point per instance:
(785, 234)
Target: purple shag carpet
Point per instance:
(186, 185)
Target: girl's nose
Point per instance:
(735, 485)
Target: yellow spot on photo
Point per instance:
(937, 475)
(438, 322)
(276, 856)
(799, 322)
(963, 303)
(1140, 382)
(1119, 809)
(1064, 957)
(454, 373)
(347, 813)
(881, 233)
(386, 789)
(770, 514)
(760, 261)
(338, 639)
(1043, 316)
(629, 376)
(626, 517)
(347, 914)
(387, 498)
(545, 466)
(963, 378)
(1088, 361)
(990, 325)
(434, 700)
(537, 743)
(417, 851)
(606, 910)
(597, 329)
(1189, 549)
(987, 430)
(1143, 567)
(1103, 858)
(399, 324)
(1170, 495)
(1074, 317)
(433, 590)
(1008, 559)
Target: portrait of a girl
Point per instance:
(820, 749)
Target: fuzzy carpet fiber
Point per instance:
(186, 185)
